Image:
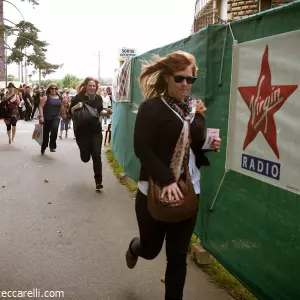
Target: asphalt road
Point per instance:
(63, 236)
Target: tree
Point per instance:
(2, 47)
(27, 37)
(11, 78)
(46, 82)
(70, 81)
(34, 2)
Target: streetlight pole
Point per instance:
(25, 65)
(99, 65)
(22, 77)
(2, 50)
(5, 36)
(99, 62)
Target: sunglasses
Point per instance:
(189, 79)
(54, 88)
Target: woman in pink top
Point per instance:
(11, 114)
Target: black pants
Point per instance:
(152, 235)
(28, 112)
(50, 128)
(34, 109)
(21, 113)
(89, 144)
(13, 122)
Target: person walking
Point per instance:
(106, 106)
(89, 135)
(28, 103)
(49, 110)
(168, 135)
(65, 117)
(36, 101)
(11, 112)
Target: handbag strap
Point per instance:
(8, 99)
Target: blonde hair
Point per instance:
(81, 88)
(152, 81)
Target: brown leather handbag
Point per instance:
(160, 210)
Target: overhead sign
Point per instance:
(263, 133)
(126, 53)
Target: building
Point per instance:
(222, 11)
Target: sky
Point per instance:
(77, 30)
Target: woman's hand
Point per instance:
(173, 193)
(216, 144)
(75, 107)
(200, 107)
(41, 120)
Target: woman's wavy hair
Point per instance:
(81, 88)
(49, 87)
(152, 81)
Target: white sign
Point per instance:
(264, 119)
(126, 53)
(121, 89)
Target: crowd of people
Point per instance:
(57, 108)
(169, 136)
(28, 101)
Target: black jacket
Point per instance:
(97, 103)
(36, 98)
(156, 133)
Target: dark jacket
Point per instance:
(36, 98)
(25, 97)
(97, 104)
(156, 133)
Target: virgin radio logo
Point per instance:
(263, 101)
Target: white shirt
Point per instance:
(21, 103)
(106, 102)
(194, 171)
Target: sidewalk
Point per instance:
(62, 235)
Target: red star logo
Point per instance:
(264, 100)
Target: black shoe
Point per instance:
(131, 259)
(99, 187)
(43, 151)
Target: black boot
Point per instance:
(99, 186)
(131, 258)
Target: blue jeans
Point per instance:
(64, 125)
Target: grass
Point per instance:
(116, 168)
(215, 270)
(118, 171)
(227, 281)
